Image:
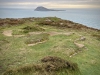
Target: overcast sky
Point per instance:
(50, 3)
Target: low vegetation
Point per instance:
(50, 65)
(97, 36)
(48, 46)
(27, 29)
(32, 28)
(57, 22)
(31, 39)
(11, 21)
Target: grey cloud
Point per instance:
(73, 2)
(49, 0)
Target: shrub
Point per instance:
(32, 28)
(56, 63)
(49, 66)
(97, 36)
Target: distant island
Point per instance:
(41, 8)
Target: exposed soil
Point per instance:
(35, 43)
(7, 32)
(58, 33)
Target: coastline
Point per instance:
(87, 17)
(15, 21)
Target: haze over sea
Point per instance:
(88, 17)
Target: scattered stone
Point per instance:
(70, 56)
(82, 39)
(79, 45)
(32, 20)
(61, 23)
(93, 61)
(74, 53)
(36, 43)
(48, 20)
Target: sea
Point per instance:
(88, 17)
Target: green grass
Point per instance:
(27, 29)
(18, 32)
(16, 55)
(37, 38)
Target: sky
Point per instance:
(31, 4)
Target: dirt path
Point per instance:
(58, 33)
(18, 36)
(33, 33)
(36, 43)
(7, 32)
(53, 33)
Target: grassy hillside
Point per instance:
(48, 46)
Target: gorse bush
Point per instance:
(10, 22)
(97, 36)
(56, 63)
(32, 28)
(49, 66)
(27, 29)
(54, 21)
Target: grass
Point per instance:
(49, 64)
(27, 29)
(37, 38)
(97, 36)
(20, 59)
(32, 28)
(18, 32)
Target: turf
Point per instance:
(17, 55)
